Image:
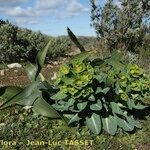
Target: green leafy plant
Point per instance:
(122, 24)
(17, 43)
(58, 47)
(99, 94)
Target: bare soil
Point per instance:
(18, 77)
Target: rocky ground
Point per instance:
(18, 76)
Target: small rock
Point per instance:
(49, 66)
(64, 59)
(75, 52)
(2, 72)
(16, 71)
(54, 76)
(27, 107)
(2, 124)
(14, 65)
(55, 63)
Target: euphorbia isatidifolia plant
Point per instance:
(99, 94)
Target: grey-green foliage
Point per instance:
(17, 43)
(101, 94)
(30, 43)
(58, 46)
(7, 39)
(121, 24)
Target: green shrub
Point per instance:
(17, 43)
(29, 43)
(122, 24)
(58, 47)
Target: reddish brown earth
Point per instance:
(18, 77)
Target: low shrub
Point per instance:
(17, 44)
(59, 47)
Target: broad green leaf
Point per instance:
(92, 98)
(124, 124)
(40, 58)
(31, 71)
(71, 102)
(80, 57)
(105, 90)
(105, 104)
(115, 108)
(110, 124)
(97, 106)
(134, 122)
(100, 90)
(68, 81)
(115, 61)
(9, 92)
(45, 109)
(82, 105)
(73, 109)
(101, 77)
(64, 106)
(59, 95)
(75, 118)
(94, 123)
(132, 105)
(26, 97)
(60, 107)
(139, 106)
(68, 116)
(75, 40)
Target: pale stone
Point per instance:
(2, 72)
(2, 124)
(16, 71)
(27, 107)
(54, 76)
(14, 65)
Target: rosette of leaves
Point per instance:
(74, 81)
(101, 94)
